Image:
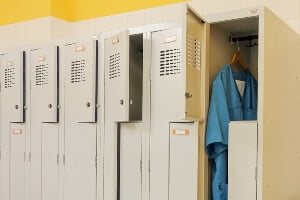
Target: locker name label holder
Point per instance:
(180, 132)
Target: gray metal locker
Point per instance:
(177, 95)
(44, 129)
(13, 138)
(80, 141)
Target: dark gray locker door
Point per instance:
(117, 75)
(44, 82)
(80, 80)
(17, 162)
(12, 84)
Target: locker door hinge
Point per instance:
(256, 173)
(57, 158)
(64, 159)
(24, 156)
(96, 162)
(141, 165)
(29, 156)
(149, 166)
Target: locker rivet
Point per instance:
(16, 107)
(50, 105)
(88, 104)
(121, 101)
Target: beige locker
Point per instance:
(274, 62)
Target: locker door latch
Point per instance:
(188, 95)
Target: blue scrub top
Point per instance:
(227, 105)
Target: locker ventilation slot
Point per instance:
(9, 77)
(170, 62)
(193, 52)
(114, 66)
(41, 74)
(78, 73)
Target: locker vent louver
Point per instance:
(78, 73)
(9, 77)
(114, 66)
(193, 52)
(41, 74)
(170, 62)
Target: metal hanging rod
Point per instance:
(245, 38)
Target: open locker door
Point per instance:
(117, 75)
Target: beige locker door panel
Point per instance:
(17, 162)
(195, 61)
(49, 161)
(80, 167)
(183, 174)
(242, 157)
(130, 160)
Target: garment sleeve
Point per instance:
(216, 138)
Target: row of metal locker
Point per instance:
(123, 115)
(75, 117)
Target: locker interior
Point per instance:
(221, 52)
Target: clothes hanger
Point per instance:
(238, 58)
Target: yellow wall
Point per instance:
(13, 11)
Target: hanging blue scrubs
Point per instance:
(227, 104)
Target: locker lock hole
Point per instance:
(16, 106)
(88, 104)
(121, 101)
(50, 105)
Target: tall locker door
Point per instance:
(44, 136)
(117, 75)
(12, 84)
(130, 151)
(17, 161)
(242, 160)
(183, 175)
(80, 174)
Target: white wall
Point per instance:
(48, 28)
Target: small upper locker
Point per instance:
(177, 61)
(81, 78)
(12, 84)
(44, 82)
